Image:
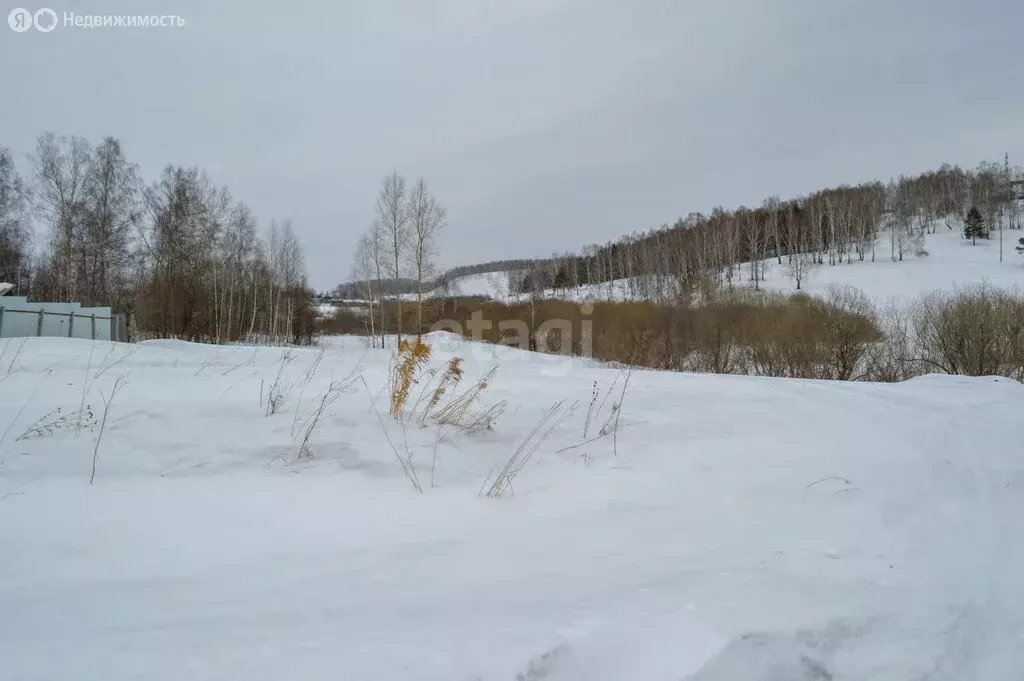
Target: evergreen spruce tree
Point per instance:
(974, 226)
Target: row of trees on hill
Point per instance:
(829, 227)
(401, 243)
(181, 254)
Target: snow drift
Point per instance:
(748, 528)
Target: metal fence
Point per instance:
(19, 318)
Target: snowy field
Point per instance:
(747, 528)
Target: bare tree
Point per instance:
(800, 266)
(902, 237)
(772, 207)
(393, 222)
(793, 231)
(273, 275)
(365, 271)
(817, 233)
(180, 255)
(61, 168)
(729, 239)
(426, 217)
(187, 215)
(112, 198)
(755, 243)
(379, 262)
(532, 283)
(15, 235)
(238, 248)
(291, 279)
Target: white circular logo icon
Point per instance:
(45, 20)
(20, 20)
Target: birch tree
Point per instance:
(112, 199)
(364, 269)
(393, 222)
(61, 165)
(238, 250)
(15, 235)
(426, 218)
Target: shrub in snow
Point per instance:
(976, 331)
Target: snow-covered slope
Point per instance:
(951, 262)
(747, 528)
(501, 286)
(507, 286)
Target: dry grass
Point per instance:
(405, 371)
(435, 389)
(454, 413)
(3, 353)
(304, 382)
(278, 389)
(462, 411)
(334, 390)
(405, 461)
(483, 420)
(107, 401)
(57, 421)
(450, 379)
(498, 484)
(610, 425)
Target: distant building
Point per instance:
(1018, 186)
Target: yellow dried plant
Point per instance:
(410, 357)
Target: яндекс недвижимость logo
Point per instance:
(45, 20)
(21, 20)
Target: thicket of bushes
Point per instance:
(978, 331)
(775, 335)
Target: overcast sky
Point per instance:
(543, 125)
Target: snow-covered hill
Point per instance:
(501, 286)
(747, 528)
(951, 262)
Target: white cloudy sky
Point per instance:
(543, 125)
